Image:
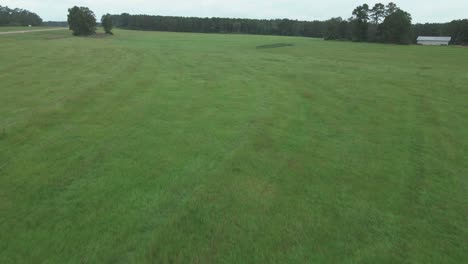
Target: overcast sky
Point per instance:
(421, 10)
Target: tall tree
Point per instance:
(390, 9)
(396, 28)
(360, 22)
(107, 24)
(82, 21)
(377, 13)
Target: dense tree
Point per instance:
(125, 18)
(337, 29)
(333, 29)
(390, 9)
(396, 28)
(81, 21)
(428, 29)
(55, 24)
(315, 29)
(360, 22)
(18, 17)
(377, 13)
(458, 29)
(107, 24)
(285, 27)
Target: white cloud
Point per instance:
(421, 10)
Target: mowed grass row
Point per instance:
(177, 148)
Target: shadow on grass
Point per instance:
(275, 45)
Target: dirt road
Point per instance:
(29, 31)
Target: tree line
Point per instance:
(381, 23)
(283, 27)
(55, 24)
(390, 24)
(457, 29)
(18, 17)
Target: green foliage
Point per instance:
(360, 23)
(107, 23)
(377, 13)
(336, 29)
(81, 21)
(123, 20)
(361, 27)
(390, 24)
(361, 13)
(55, 24)
(208, 150)
(457, 29)
(283, 27)
(18, 17)
(396, 28)
(390, 9)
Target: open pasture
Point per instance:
(204, 148)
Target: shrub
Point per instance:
(82, 21)
(106, 21)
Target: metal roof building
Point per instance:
(435, 41)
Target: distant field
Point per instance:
(152, 147)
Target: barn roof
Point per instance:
(427, 38)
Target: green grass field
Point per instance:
(150, 147)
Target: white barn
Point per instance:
(434, 41)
